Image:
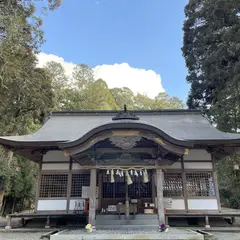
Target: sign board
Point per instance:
(167, 202)
(112, 208)
(86, 192)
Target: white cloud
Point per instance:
(116, 75)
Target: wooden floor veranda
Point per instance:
(225, 212)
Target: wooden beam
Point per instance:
(160, 206)
(133, 150)
(92, 198)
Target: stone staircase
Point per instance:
(139, 221)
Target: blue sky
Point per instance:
(146, 34)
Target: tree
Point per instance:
(25, 91)
(98, 97)
(123, 96)
(212, 53)
(59, 84)
(211, 50)
(82, 75)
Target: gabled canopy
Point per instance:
(186, 128)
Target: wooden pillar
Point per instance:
(38, 183)
(160, 206)
(184, 182)
(207, 225)
(9, 223)
(92, 197)
(48, 222)
(126, 200)
(69, 189)
(153, 188)
(100, 180)
(215, 180)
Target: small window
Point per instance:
(53, 185)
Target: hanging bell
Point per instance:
(145, 176)
(117, 173)
(108, 172)
(131, 172)
(140, 172)
(136, 173)
(112, 177)
(129, 180)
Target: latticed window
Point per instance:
(200, 184)
(53, 185)
(78, 181)
(173, 185)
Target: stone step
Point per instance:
(127, 226)
(137, 216)
(126, 222)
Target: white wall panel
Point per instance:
(55, 166)
(202, 204)
(198, 154)
(51, 205)
(51, 156)
(198, 165)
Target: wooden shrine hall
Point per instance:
(126, 164)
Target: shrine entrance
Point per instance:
(114, 194)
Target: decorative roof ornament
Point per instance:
(125, 115)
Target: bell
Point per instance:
(136, 173)
(107, 172)
(112, 177)
(145, 176)
(131, 172)
(129, 180)
(140, 173)
(117, 173)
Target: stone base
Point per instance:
(207, 226)
(8, 227)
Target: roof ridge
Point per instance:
(141, 112)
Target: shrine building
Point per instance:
(126, 164)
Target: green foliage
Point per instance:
(211, 50)
(26, 94)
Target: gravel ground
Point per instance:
(147, 230)
(20, 235)
(227, 236)
(37, 235)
